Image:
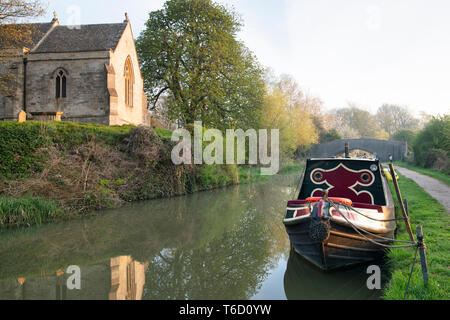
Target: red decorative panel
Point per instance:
(344, 183)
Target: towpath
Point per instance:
(437, 189)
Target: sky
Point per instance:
(366, 52)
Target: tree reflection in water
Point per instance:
(212, 245)
(231, 266)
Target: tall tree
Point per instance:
(287, 108)
(393, 118)
(190, 53)
(15, 36)
(361, 123)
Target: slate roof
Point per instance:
(91, 37)
(38, 31)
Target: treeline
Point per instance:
(428, 137)
(196, 69)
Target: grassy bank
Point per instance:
(81, 168)
(28, 211)
(439, 175)
(432, 216)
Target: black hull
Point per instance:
(344, 248)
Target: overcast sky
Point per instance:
(368, 52)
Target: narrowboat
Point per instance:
(344, 214)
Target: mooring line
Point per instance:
(411, 245)
(372, 234)
(373, 219)
(411, 273)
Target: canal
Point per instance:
(227, 244)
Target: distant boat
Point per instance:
(344, 214)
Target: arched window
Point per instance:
(129, 83)
(61, 84)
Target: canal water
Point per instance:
(227, 244)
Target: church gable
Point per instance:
(131, 100)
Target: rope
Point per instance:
(373, 219)
(411, 273)
(374, 242)
(370, 233)
(319, 231)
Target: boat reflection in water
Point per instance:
(304, 281)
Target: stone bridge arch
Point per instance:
(382, 148)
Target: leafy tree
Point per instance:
(393, 118)
(190, 54)
(436, 135)
(14, 37)
(405, 135)
(287, 108)
(331, 135)
(357, 123)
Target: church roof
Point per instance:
(91, 37)
(38, 30)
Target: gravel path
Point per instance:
(437, 189)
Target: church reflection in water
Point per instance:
(127, 279)
(124, 276)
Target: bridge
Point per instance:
(381, 148)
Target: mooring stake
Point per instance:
(423, 255)
(401, 203)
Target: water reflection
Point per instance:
(225, 244)
(213, 245)
(303, 281)
(127, 279)
(124, 277)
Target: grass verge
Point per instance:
(27, 211)
(432, 216)
(439, 175)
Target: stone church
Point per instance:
(87, 73)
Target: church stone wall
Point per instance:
(87, 95)
(11, 105)
(136, 114)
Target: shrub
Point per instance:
(329, 136)
(21, 144)
(405, 135)
(437, 159)
(436, 135)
